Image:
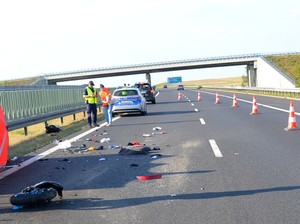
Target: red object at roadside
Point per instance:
(149, 177)
(4, 140)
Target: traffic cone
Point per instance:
(217, 98)
(234, 103)
(292, 125)
(179, 96)
(254, 106)
(199, 96)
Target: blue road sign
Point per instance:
(174, 80)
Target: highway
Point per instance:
(219, 164)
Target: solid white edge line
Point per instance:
(259, 104)
(202, 121)
(215, 148)
(49, 151)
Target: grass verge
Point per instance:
(20, 145)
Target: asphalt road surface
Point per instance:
(218, 164)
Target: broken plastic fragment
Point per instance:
(105, 140)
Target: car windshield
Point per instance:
(130, 92)
(143, 86)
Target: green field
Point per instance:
(290, 64)
(233, 81)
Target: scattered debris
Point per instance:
(135, 150)
(135, 144)
(156, 128)
(65, 144)
(14, 159)
(100, 147)
(149, 177)
(134, 165)
(155, 156)
(64, 160)
(51, 128)
(159, 133)
(146, 135)
(102, 159)
(173, 195)
(92, 148)
(16, 207)
(36, 194)
(105, 140)
(114, 147)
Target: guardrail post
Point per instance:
(62, 120)
(74, 117)
(25, 131)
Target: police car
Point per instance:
(128, 100)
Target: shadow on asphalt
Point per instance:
(102, 204)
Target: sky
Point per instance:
(44, 36)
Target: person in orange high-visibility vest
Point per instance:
(106, 97)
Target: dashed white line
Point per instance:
(196, 110)
(202, 121)
(215, 148)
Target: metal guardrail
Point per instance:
(36, 119)
(266, 91)
(26, 101)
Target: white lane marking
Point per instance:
(215, 148)
(192, 104)
(259, 104)
(196, 110)
(202, 121)
(49, 151)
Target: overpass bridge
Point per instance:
(260, 71)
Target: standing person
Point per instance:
(90, 96)
(105, 97)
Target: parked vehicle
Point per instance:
(180, 87)
(128, 100)
(165, 87)
(147, 91)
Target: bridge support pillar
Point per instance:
(252, 74)
(148, 78)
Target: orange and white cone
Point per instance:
(234, 103)
(217, 98)
(292, 125)
(254, 106)
(199, 96)
(179, 96)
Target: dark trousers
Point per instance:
(91, 110)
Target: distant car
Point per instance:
(147, 91)
(180, 87)
(165, 87)
(128, 100)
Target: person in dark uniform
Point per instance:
(90, 96)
